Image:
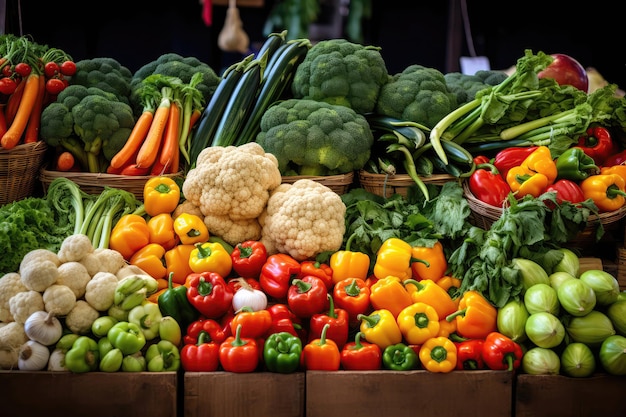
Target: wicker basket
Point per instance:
(18, 170)
(387, 185)
(338, 183)
(95, 183)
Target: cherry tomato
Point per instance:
(7, 85)
(54, 86)
(22, 69)
(7, 71)
(51, 69)
(68, 68)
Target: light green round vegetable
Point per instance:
(577, 360)
(545, 330)
(541, 361)
(531, 272)
(541, 297)
(556, 278)
(617, 314)
(613, 355)
(603, 284)
(570, 263)
(576, 297)
(590, 329)
(511, 320)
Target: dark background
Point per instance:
(136, 32)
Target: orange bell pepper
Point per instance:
(150, 259)
(452, 286)
(160, 195)
(254, 324)
(321, 354)
(130, 233)
(534, 175)
(393, 259)
(608, 191)
(162, 231)
(476, 316)
(428, 262)
(390, 294)
(349, 264)
(177, 262)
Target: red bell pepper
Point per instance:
(248, 258)
(500, 352)
(202, 356)
(235, 283)
(597, 143)
(214, 330)
(338, 320)
(352, 295)
(283, 320)
(321, 354)
(361, 355)
(567, 190)
(239, 354)
(254, 324)
(618, 158)
(209, 294)
(481, 159)
(488, 185)
(511, 157)
(277, 273)
(321, 270)
(469, 354)
(307, 296)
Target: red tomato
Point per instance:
(51, 69)
(7, 86)
(54, 86)
(22, 69)
(68, 68)
(7, 71)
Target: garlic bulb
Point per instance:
(43, 327)
(232, 37)
(247, 296)
(33, 356)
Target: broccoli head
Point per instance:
(174, 65)
(106, 74)
(417, 94)
(340, 72)
(465, 86)
(310, 137)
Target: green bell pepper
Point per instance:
(127, 337)
(400, 357)
(134, 363)
(83, 356)
(104, 346)
(282, 352)
(163, 356)
(147, 316)
(174, 302)
(574, 164)
(112, 361)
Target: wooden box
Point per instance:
(409, 393)
(226, 394)
(562, 396)
(93, 394)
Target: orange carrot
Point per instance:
(65, 161)
(150, 147)
(134, 141)
(158, 168)
(195, 116)
(34, 121)
(175, 162)
(13, 102)
(170, 139)
(16, 129)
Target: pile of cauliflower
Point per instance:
(75, 284)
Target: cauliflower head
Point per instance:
(315, 138)
(303, 219)
(232, 181)
(341, 72)
(417, 94)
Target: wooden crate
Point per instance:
(409, 393)
(226, 394)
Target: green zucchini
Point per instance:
(272, 43)
(457, 152)
(408, 130)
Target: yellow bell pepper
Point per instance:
(160, 195)
(150, 259)
(210, 257)
(349, 264)
(418, 323)
(606, 190)
(162, 231)
(130, 233)
(380, 327)
(190, 229)
(615, 169)
(393, 258)
(429, 262)
(177, 262)
(389, 293)
(534, 174)
(446, 328)
(438, 354)
(427, 291)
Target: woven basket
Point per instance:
(18, 170)
(95, 183)
(387, 185)
(621, 268)
(338, 183)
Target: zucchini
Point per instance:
(457, 152)
(409, 130)
(272, 43)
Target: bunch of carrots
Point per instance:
(162, 132)
(31, 76)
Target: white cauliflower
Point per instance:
(25, 303)
(81, 317)
(232, 185)
(12, 336)
(10, 284)
(100, 291)
(303, 219)
(59, 300)
(103, 260)
(74, 275)
(75, 247)
(39, 269)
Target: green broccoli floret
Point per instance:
(340, 72)
(418, 94)
(105, 73)
(465, 86)
(310, 137)
(174, 65)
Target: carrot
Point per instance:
(65, 161)
(34, 121)
(150, 147)
(175, 162)
(14, 102)
(134, 141)
(158, 168)
(194, 117)
(16, 129)
(170, 139)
